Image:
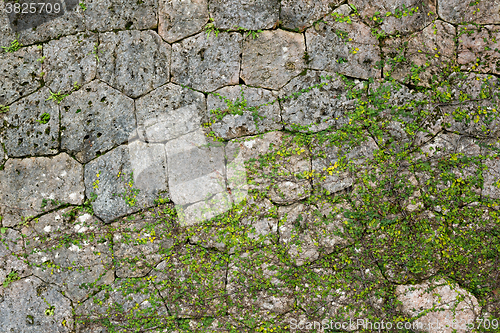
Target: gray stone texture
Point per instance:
(108, 15)
(207, 64)
(86, 259)
(481, 12)
(11, 251)
(19, 72)
(30, 29)
(25, 183)
(272, 59)
(301, 14)
(401, 20)
(24, 305)
(26, 133)
(235, 125)
(354, 53)
(169, 112)
(134, 62)
(247, 14)
(433, 47)
(315, 109)
(479, 43)
(69, 60)
(178, 19)
(94, 120)
(115, 175)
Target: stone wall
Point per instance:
(119, 119)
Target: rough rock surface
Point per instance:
(28, 131)
(263, 119)
(179, 18)
(115, 177)
(11, 242)
(300, 14)
(444, 299)
(272, 59)
(407, 16)
(24, 304)
(250, 15)
(25, 183)
(19, 72)
(481, 12)
(69, 60)
(169, 112)
(479, 43)
(346, 48)
(108, 15)
(433, 48)
(205, 63)
(84, 260)
(134, 62)
(314, 109)
(95, 119)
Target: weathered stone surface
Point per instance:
(115, 175)
(316, 109)
(25, 183)
(95, 119)
(406, 16)
(179, 18)
(481, 12)
(11, 251)
(169, 112)
(132, 297)
(31, 28)
(272, 59)
(479, 49)
(300, 14)
(205, 63)
(233, 125)
(449, 303)
(433, 48)
(134, 62)
(251, 15)
(28, 132)
(86, 259)
(19, 71)
(6, 33)
(346, 48)
(69, 60)
(491, 177)
(24, 305)
(108, 15)
(196, 171)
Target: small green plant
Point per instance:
(96, 52)
(42, 59)
(4, 108)
(50, 310)
(83, 6)
(57, 97)
(130, 195)
(253, 33)
(11, 277)
(44, 118)
(210, 27)
(14, 46)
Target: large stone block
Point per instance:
(480, 12)
(342, 47)
(300, 14)
(19, 71)
(29, 130)
(272, 59)
(205, 63)
(479, 48)
(69, 60)
(126, 179)
(11, 256)
(134, 62)
(249, 14)
(260, 111)
(26, 183)
(24, 305)
(169, 112)
(108, 15)
(179, 18)
(94, 120)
